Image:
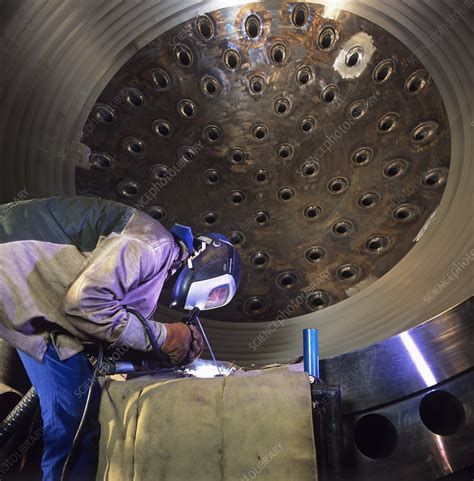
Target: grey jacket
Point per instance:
(68, 268)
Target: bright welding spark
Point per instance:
(418, 359)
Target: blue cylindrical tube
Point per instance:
(311, 352)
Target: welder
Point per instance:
(72, 271)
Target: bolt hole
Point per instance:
(416, 82)
(354, 56)
(313, 212)
(375, 436)
(329, 94)
(424, 132)
(300, 15)
(282, 106)
(287, 280)
(338, 185)
(278, 53)
(304, 75)
(307, 125)
(369, 199)
(212, 177)
(237, 156)
(231, 59)
(260, 132)
(406, 213)
(162, 128)
(161, 79)
(187, 108)
(160, 171)
(342, 228)
(442, 413)
(261, 217)
(310, 169)
(237, 197)
(286, 194)
(377, 244)
(205, 27)
(210, 85)
(128, 188)
(348, 273)
(285, 151)
(184, 55)
(101, 160)
(254, 305)
(362, 156)
(257, 84)
(156, 212)
(261, 175)
(134, 97)
(358, 109)
(104, 113)
(383, 71)
(236, 238)
(134, 145)
(259, 259)
(318, 300)
(326, 38)
(315, 254)
(253, 26)
(212, 133)
(209, 218)
(388, 122)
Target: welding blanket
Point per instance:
(236, 428)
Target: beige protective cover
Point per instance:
(236, 428)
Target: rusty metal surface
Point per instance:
(353, 156)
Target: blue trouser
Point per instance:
(62, 389)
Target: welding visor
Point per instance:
(210, 277)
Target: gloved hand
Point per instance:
(197, 345)
(178, 342)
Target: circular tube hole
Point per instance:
(434, 178)
(375, 436)
(318, 300)
(183, 55)
(300, 15)
(257, 84)
(210, 86)
(231, 59)
(377, 244)
(236, 197)
(329, 94)
(253, 26)
(287, 280)
(362, 156)
(282, 106)
(354, 56)
(348, 272)
(160, 171)
(261, 175)
(369, 199)
(211, 177)
(357, 109)
(254, 305)
(259, 259)
(442, 413)
(261, 217)
(286, 194)
(388, 122)
(307, 125)
(327, 38)
(237, 156)
(128, 188)
(278, 53)
(304, 75)
(406, 213)
(209, 218)
(212, 134)
(313, 212)
(260, 132)
(104, 113)
(205, 27)
(416, 82)
(338, 185)
(236, 238)
(101, 160)
(396, 168)
(160, 78)
(315, 254)
(162, 128)
(310, 169)
(134, 97)
(188, 153)
(343, 228)
(383, 71)
(158, 213)
(187, 108)
(134, 145)
(424, 132)
(285, 151)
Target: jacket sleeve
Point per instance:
(118, 267)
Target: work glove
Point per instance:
(183, 344)
(197, 345)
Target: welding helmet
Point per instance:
(209, 278)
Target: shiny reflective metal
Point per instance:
(259, 83)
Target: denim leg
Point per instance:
(62, 390)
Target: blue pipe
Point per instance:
(311, 352)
